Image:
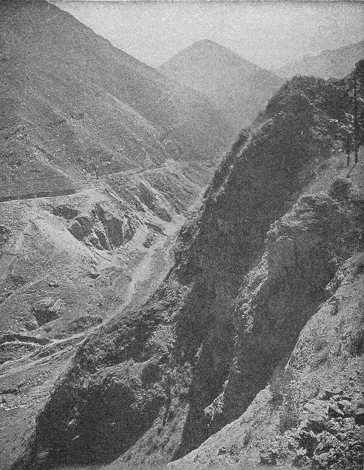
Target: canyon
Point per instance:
(177, 290)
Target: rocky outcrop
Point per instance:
(102, 228)
(47, 309)
(310, 414)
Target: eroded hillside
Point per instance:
(266, 289)
(101, 160)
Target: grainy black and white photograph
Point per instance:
(181, 235)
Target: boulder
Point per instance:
(335, 412)
(80, 227)
(340, 188)
(4, 234)
(359, 417)
(47, 309)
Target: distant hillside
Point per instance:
(237, 87)
(331, 63)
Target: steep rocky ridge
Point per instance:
(279, 220)
(311, 413)
(335, 63)
(237, 87)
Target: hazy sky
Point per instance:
(267, 34)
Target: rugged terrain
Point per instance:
(251, 349)
(238, 88)
(101, 160)
(336, 63)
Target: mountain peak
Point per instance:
(212, 49)
(210, 43)
(234, 85)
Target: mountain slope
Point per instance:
(331, 63)
(101, 159)
(67, 127)
(255, 291)
(237, 87)
(83, 103)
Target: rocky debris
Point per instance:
(359, 414)
(338, 443)
(81, 227)
(66, 211)
(268, 458)
(5, 233)
(335, 412)
(103, 228)
(149, 240)
(340, 188)
(48, 309)
(150, 199)
(77, 115)
(31, 325)
(118, 231)
(11, 284)
(83, 323)
(317, 421)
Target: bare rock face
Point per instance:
(310, 414)
(117, 231)
(103, 228)
(4, 234)
(81, 227)
(281, 294)
(47, 309)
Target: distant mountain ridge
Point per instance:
(335, 63)
(237, 87)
